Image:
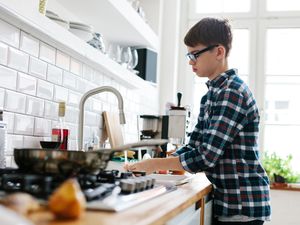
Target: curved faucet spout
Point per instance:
(81, 109)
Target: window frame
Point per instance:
(258, 20)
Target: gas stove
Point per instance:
(108, 190)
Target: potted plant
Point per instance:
(279, 169)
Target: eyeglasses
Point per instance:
(195, 55)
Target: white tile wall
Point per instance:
(47, 53)
(9, 34)
(29, 44)
(51, 110)
(35, 76)
(18, 60)
(34, 106)
(45, 90)
(23, 124)
(54, 74)
(37, 68)
(9, 118)
(2, 93)
(8, 78)
(60, 94)
(14, 102)
(76, 67)
(42, 127)
(27, 84)
(3, 53)
(62, 60)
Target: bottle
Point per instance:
(3, 140)
(61, 133)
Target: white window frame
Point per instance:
(258, 20)
(195, 16)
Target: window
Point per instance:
(286, 5)
(240, 54)
(266, 55)
(282, 92)
(219, 6)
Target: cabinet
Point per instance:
(122, 25)
(195, 215)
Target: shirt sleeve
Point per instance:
(227, 119)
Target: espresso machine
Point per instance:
(173, 126)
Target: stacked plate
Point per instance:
(83, 31)
(54, 17)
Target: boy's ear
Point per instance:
(221, 52)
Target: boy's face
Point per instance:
(207, 62)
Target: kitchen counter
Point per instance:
(155, 211)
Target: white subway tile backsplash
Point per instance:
(76, 67)
(26, 84)
(24, 124)
(9, 34)
(97, 106)
(29, 44)
(18, 60)
(32, 142)
(14, 141)
(8, 159)
(71, 114)
(98, 78)
(45, 90)
(81, 85)
(2, 93)
(74, 98)
(62, 60)
(60, 94)
(37, 76)
(34, 106)
(47, 53)
(54, 74)
(51, 110)
(37, 68)
(70, 80)
(8, 78)
(3, 53)
(87, 72)
(9, 118)
(42, 127)
(14, 102)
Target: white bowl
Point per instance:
(84, 35)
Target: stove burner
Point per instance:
(94, 186)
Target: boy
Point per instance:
(224, 141)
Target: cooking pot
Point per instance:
(71, 162)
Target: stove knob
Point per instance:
(149, 182)
(152, 182)
(127, 186)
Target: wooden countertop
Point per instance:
(155, 211)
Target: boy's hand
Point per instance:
(147, 166)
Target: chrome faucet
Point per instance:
(81, 109)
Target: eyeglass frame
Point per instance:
(194, 56)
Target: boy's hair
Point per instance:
(210, 31)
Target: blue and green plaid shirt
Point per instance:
(224, 146)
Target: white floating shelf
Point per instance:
(30, 20)
(115, 19)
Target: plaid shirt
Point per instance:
(224, 146)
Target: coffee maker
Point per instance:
(173, 126)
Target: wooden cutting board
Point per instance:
(113, 129)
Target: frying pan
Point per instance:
(71, 162)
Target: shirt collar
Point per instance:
(219, 80)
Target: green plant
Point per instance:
(277, 165)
